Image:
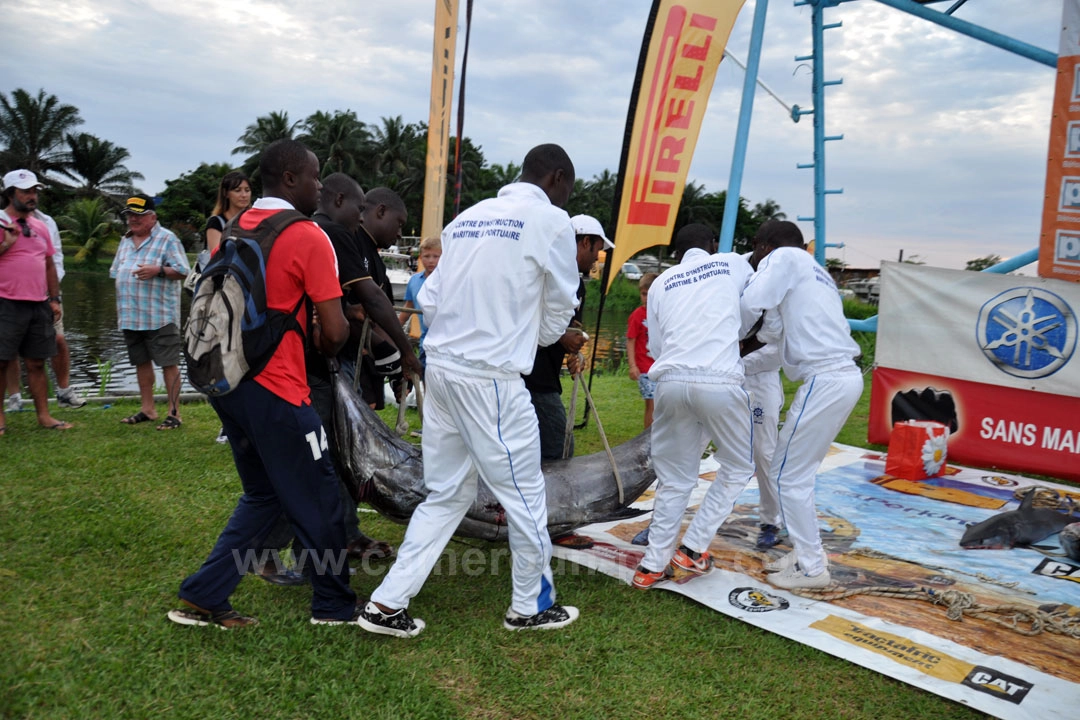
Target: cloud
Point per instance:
(944, 145)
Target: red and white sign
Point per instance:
(991, 357)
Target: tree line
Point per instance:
(87, 178)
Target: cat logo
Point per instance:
(756, 601)
(1058, 570)
(1000, 685)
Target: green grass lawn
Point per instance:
(98, 526)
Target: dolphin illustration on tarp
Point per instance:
(1024, 526)
(387, 472)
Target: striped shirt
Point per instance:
(148, 304)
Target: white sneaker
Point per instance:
(66, 398)
(781, 563)
(14, 403)
(795, 579)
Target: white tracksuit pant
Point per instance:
(477, 423)
(766, 402)
(684, 410)
(818, 412)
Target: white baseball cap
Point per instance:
(588, 225)
(22, 179)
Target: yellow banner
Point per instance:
(685, 45)
(900, 649)
(442, 93)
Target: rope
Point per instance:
(569, 433)
(603, 435)
(365, 334)
(1018, 618)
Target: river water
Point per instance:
(99, 364)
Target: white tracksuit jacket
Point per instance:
(506, 282)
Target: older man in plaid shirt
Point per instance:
(149, 267)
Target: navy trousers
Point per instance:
(281, 456)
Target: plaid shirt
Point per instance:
(154, 303)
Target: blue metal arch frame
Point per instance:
(818, 28)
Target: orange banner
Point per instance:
(1059, 243)
(685, 42)
(442, 92)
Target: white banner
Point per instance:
(1002, 330)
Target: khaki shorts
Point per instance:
(161, 345)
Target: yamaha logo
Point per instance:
(1027, 332)
(755, 600)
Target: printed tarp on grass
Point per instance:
(888, 533)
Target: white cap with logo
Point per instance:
(22, 179)
(588, 225)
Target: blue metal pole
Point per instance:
(817, 29)
(1015, 263)
(738, 160)
(976, 31)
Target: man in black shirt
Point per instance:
(543, 382)
(341, 203)
(380, 225)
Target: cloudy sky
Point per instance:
(945, 137)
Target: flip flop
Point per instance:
(59, 426)
(139, 417)
(171, 422)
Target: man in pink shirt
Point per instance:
(29, 291)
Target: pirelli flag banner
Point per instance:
(1059, 244)
(442, 92)
(683, 45)
(993, 357)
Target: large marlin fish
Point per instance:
(388, 473)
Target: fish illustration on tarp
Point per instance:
(387, 472)
(1070, 541)
(1026, 525)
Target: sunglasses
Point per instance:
(22, 225)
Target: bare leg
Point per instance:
(648, 414)
(61, 363)
(144, 373)
(3, 373)
(172, 388)
(39, 390)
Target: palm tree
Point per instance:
(32, 130)
(339, 140)
(768, 210)
(100, 166)
(257, 136)
(86, 224)
(399, 155)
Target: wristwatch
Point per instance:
(57, 299)
(161, 271)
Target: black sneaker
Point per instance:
(554, 617)
(398, 624)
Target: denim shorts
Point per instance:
(647, 387)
